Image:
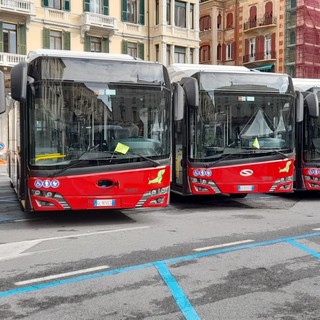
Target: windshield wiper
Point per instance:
(75, 162)
(226, 156)
(154, 162)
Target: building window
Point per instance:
(229, 20)
(219, 49)
(133, 11)
(180, 14)
(168, 12)
(267, 46)
(56, 39)
(157, 52)
(168, 55)
(134, 49)
(97, 6)
(96, 44)
(205, 23)
(205, 53)
(219, 21)
(191, 55)
(9, 38)
(157, 12)
(191, 16)
(252, 46)
(57, 4)
(179, 54)
(229, 51)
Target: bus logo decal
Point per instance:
(202, 173)
(314, 171)
(158, 178)
(46, 184)
(55, 183)
(286, 168)
(246, 172)
(38, 183)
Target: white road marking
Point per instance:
(60, 275)
(15, 249)
(316, 229)
(223, 245)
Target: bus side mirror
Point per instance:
(190, 86)
(19, 82)
(2, 93)
(178, 101)
(312, 102)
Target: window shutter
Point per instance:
(141, 50)
(66, 40)
(22, 39)
(273, 46)
(141, 12)
(224, 58)
(124, 46)
(45, 3)
(105, 45)
(87, 41)
(106, 7)
(1, 37)
(124, 15)
(233, 51)
(86, 5)
(67, 5)
(46, 38)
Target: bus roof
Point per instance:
(304, 84)
(78, 54)
(180, 70)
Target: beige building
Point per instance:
(243, 32)
(163, 30)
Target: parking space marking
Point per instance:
(162, 268)
(61, 275)
(223, 245)
(181, 299)
(304, 248)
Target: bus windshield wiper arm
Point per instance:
(154, 162)
(72, 164)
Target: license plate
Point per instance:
(245, 188)
(104, 203)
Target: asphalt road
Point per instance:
(200, 258)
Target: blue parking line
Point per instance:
(6, 219)
(304, 248)
(177, 293)
(161, 266)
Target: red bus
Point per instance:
(307, 177)
(89, 131)
(236, 132)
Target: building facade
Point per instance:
(243, 32)
(161, 30)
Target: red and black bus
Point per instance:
(89, 131)
(307, 164)
(236, 132)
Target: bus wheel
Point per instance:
(238, 195)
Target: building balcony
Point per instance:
(98, 23)
(259, 58)
(11, 59)
(21, 7)
(265, 22)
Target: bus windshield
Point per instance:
(241, 122)
(119, 121)
(311, 142)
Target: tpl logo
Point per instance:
(246, 172)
